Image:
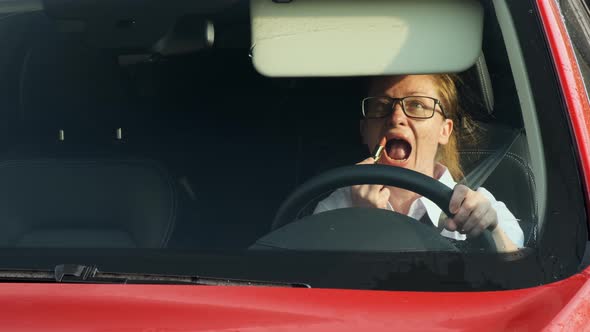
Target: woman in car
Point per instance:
(415, 116)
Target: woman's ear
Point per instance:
(445, 131)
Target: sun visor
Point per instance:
(369, 37)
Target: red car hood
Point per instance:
(94, 307)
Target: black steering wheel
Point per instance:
(377, 223)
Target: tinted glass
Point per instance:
(128, 146)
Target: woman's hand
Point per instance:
(473, 212)
(370, 195)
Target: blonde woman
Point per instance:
(415, 115)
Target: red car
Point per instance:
(161, 160)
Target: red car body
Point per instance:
(562, 305)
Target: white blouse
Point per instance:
(341, 198)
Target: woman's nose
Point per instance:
(398, 117)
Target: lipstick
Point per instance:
(378, 151)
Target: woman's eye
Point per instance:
(382, 107)
(379, 108)
(416, 105)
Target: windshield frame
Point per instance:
(561, 242)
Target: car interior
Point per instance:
(190, 147)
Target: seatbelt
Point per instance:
(481, 172)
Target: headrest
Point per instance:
(485, 83)
(88, 203)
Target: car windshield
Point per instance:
(151, 139)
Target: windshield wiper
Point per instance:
(73, 273)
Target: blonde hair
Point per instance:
(464, 127)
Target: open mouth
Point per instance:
(398, 149)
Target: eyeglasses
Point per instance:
(417, 107)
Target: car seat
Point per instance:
(90, 203)
(63, 184)
(514, 167)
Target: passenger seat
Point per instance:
(74, 203)
(64, 182)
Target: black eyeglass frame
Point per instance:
(401, 101)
